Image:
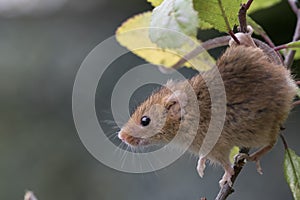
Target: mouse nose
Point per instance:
(122, 135)
(119, 135)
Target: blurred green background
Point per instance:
(42, 44)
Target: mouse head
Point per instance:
(156, 120)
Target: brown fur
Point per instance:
(259, 97)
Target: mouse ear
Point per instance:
(175, 104)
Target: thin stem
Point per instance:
(223, 41)
(284, 141)
(278, 48)
(287, 150)
(207, 45)
(293, 6)
(267, 39)
(231, 33)
(243, 16)
(242, 19)
(291, 54)
(248, 4)
(224, 16)
(260, 31)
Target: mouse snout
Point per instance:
(121, 135)
(128, 139)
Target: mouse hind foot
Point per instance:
(229, 172)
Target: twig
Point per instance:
(224, 15)
(207, 45)
(230, 32)
(267, 39)
(280, 47)
(223, 41)
(286, 148)
(290, 56)
(226, 190)
(242, 16)
(273, 55)
(248, 4)
(243, 23)
(293, 6)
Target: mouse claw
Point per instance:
(255, 159)
(241, 156)
(201, 166)
(222, 182)
(227, 177)
(258, 167)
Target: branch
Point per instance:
(286, 147)
(230, 32)
(267, 39)
(242, 16)
(223, 41)
(226, 190)
(293, 6)
(207, 45)
(284, 142)
(290, 56)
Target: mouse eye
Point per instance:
(145, 121)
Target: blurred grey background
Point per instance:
(42, 44)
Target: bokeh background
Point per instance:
(42, 44)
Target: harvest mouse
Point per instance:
(259, 96)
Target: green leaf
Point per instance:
(176, 15)
(210, 11)
(292, 172)
(297, 55)
(134, 35)
(263, 4)
(204, 25)
(298, 92)
(234, 151)
(155, 2)
(294, 45)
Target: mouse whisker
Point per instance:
(151, 165)
(124, 157)
(119, 148)
(112, 123)
(111, 136)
